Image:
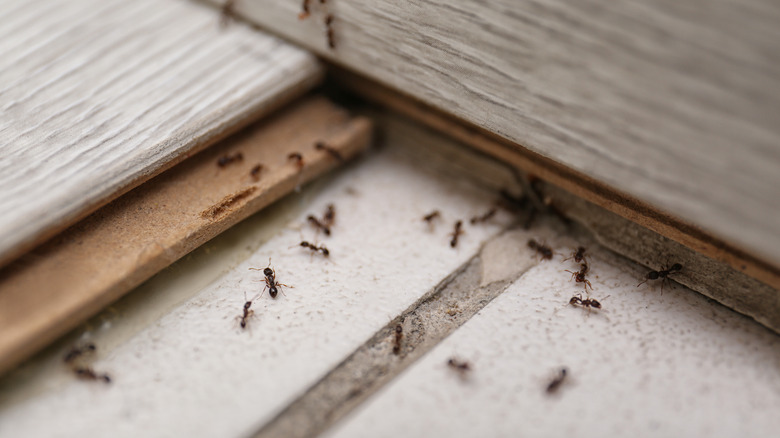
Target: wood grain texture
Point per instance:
(572, 181)
(98, 96)
(676, 103)
(63, 282)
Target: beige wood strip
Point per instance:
(97, 96)
(674, 102)
(570, 180)
(63, 282)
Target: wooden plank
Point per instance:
(580, 185)
(674, 103)
(98, 96)
(124, 243)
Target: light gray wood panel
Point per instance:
(98, 95)
(674, 102)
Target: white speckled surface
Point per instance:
(646, 365)
(193, 372)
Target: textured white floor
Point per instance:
(646, 365)
(193, 372)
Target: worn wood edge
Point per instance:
(217, 134)
(568, 179)
(712, 278)
(62, 283)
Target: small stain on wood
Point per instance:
(227, 202)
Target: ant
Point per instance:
(578, 255)
(431, 216)
(485, 217)
(545, 251)
(663, 274)
(296, 158)
(458, 231)
(319, 225)
(330, 33)
(321, 146)
(229, 159)
(315, 248)
(87, 373)
(590, 303)
(330, 214)
(77, 352)
(270, 280)
(579, 277)
(556, 382)
(461, 367)
(399, 335)
(255, 172)
(247, 312)
(327, 220)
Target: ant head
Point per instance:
(676, 267)
(325, 251)
(268, 272)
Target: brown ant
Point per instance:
(579, 277)
(556, 382)
(247, 312)
(431, 216)
(457, 232)
(459, 366)
(229, 159)
(541, 249)
(590, 303)
(77, 352)
(578, 255)
(663, 274)
(321, 146)
(330, 34)
(485, 217)
(304, 10)
(296, 158)
(255, 172)
(315, 248)
(87, 373)
(327, 220)
(399, 334)
(270, 280)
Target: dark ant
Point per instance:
(331, 35)
(255, 172)
(461, 367)
(458, 231)
(590, 303)
(315, 248)
(545, 251)
(556, 382)
(431, 216)
(296, 158)
(77, 352)
(270, 280)
(485, 217)
(319, 225)
(399, 334)
(578, 255)
(321, 146)
(663, 274)
(229, 159)
(330, 215)
(247, 312)
(87, 373)
(579, 277)
(304, 10)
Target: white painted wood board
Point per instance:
(194, 372)
(97, 96)
(674, 103)
(647, 364)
